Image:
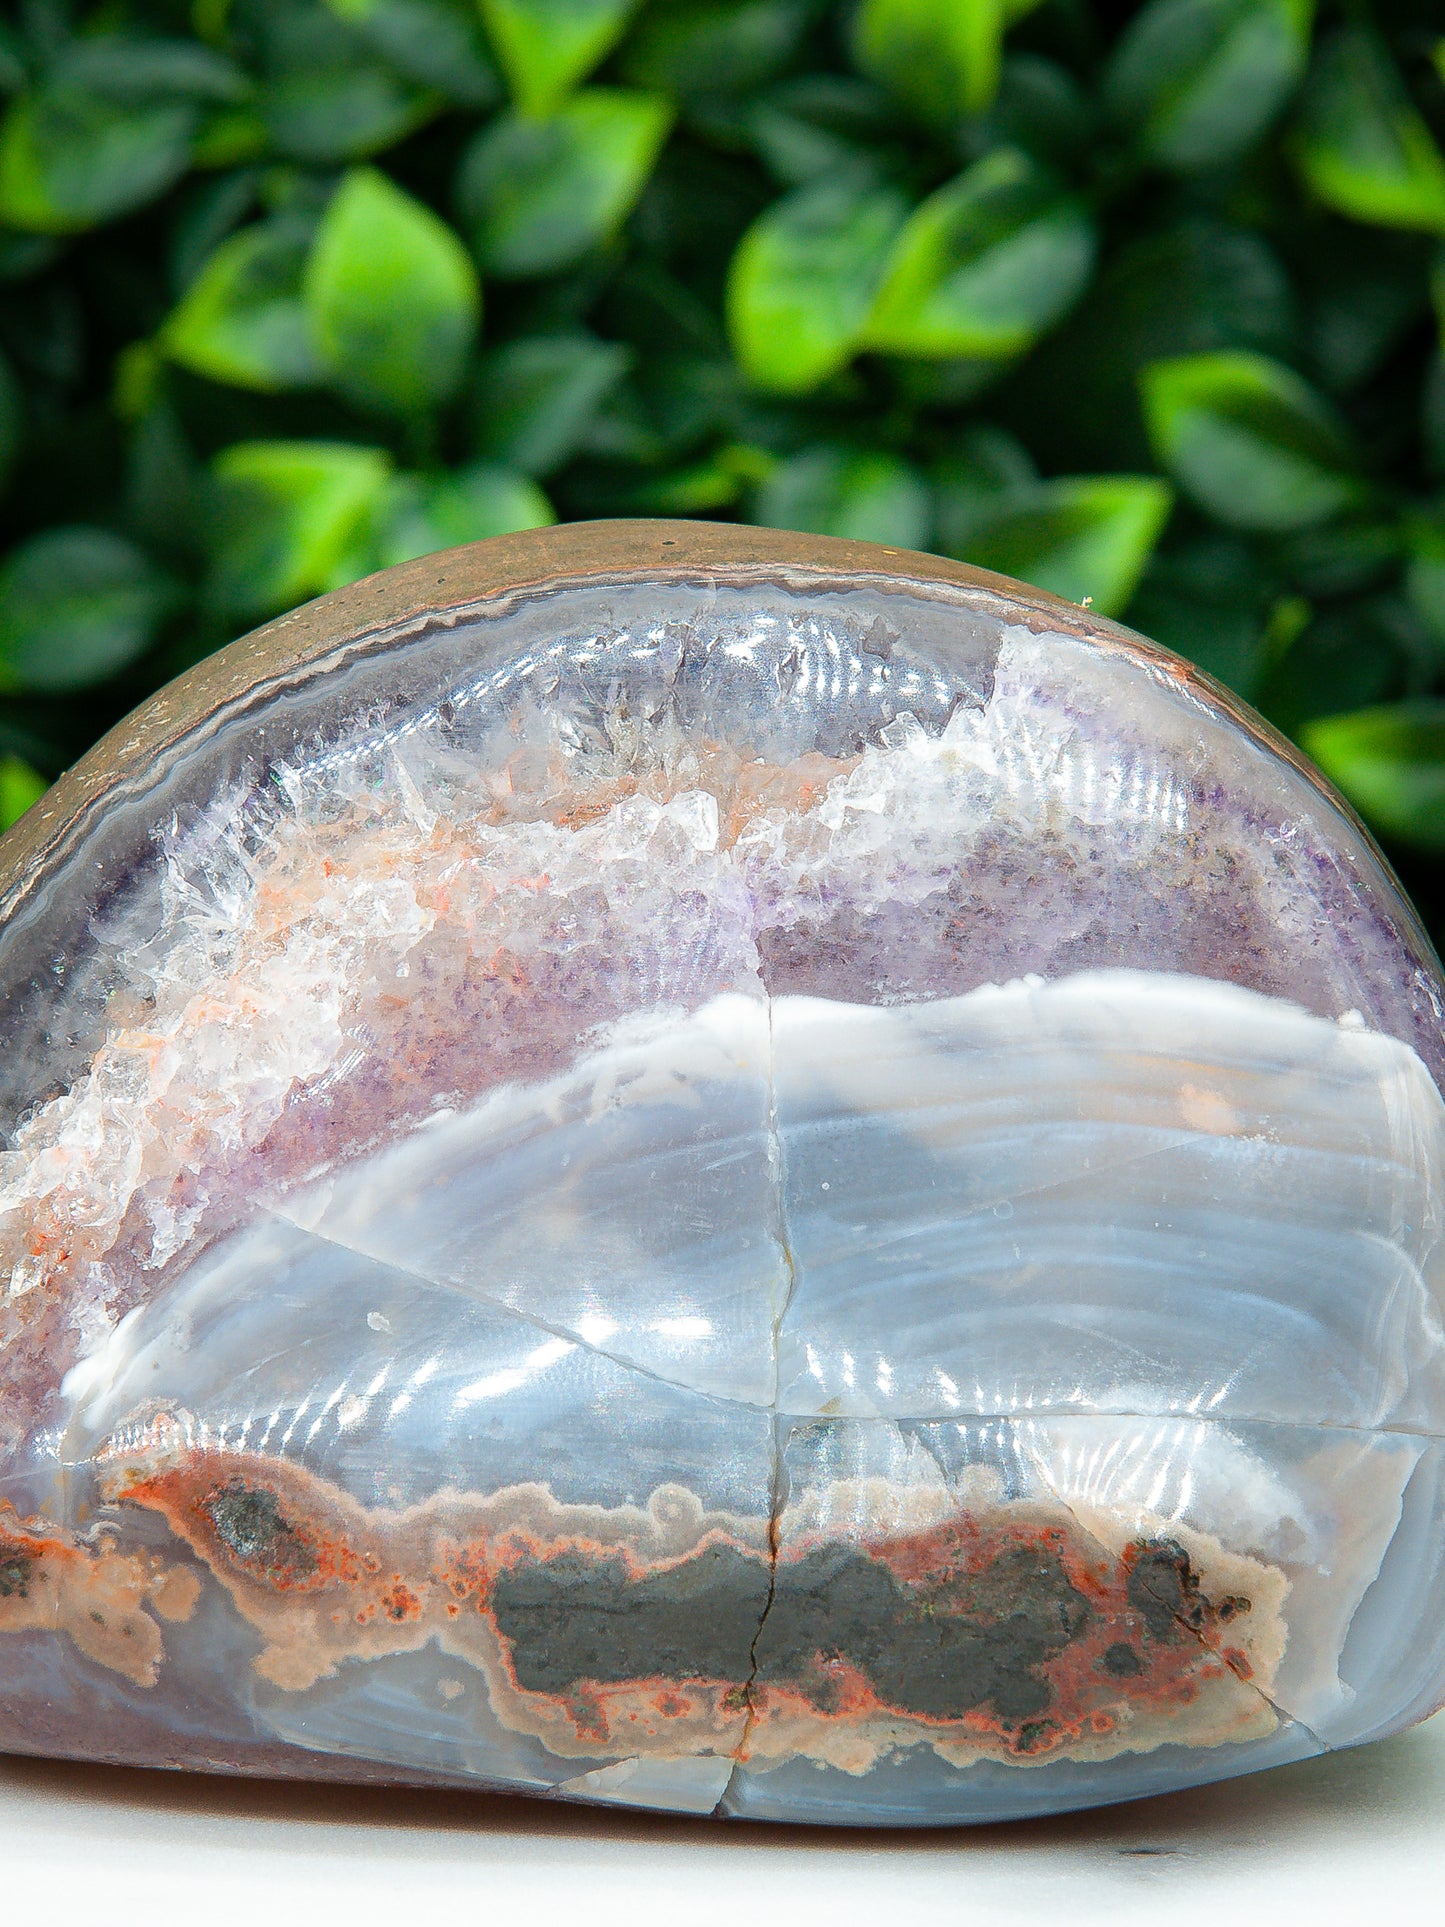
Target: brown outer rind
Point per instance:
(308, 641)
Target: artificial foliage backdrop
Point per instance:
(1140, 303)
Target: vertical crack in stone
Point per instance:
(777, 1495)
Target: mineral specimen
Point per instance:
(686, 1167)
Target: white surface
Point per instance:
(1356, 1837)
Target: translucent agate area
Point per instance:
(810, 1200)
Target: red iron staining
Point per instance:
(103, 1599)
(1006, 1631)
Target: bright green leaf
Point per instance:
(940, 57)
(1390, 763)
(547, 46)
(391, 297)
(537, 397)
(862, 493)
(20, 788)
(1198, 81)
(804, 279)
(1362, 146)
(437, 43)
(70, 159)
(538, 193)
(1252, 443)
(421, 514)
(76, 605)
(1083, 537)
(984, 266)
(241, 320)
(292, 519)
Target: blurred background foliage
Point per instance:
(1142, 303)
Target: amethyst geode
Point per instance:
(676, 1166)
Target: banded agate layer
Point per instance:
(802, 1202)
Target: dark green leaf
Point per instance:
(327, 96)
(423, 513)
(855, 492)
(1198, 81)
(714, 46)
(1250, 441)
(291, 519)
(940, 57)
(1425, 573)
(1390, 763)
(984, 266)
(1085, 537)
(1043, 109)
(819, 125)
(399, 355)
(988, 469)
(547, 46)
(1210, 599)
(1362, 146)
(536, 398)
(437, 43)
(20, 788)
(136, 72)
(804, 279)
(1190, 289)
(76, 605)
(538, 193)
(241, 320)
(69, 158)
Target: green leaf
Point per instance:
(986, 469)
(536, 398)
(421, 514)
(20, 787)
(984, 266)
(1209, 598)
(547, 46)
(804, 278)
(538, 193)
(70, 158)
(327, 96)
(76, 605)
(1425, 573)
(862, 493)
(437, 43)
(291, 520)
(1390, 763)
(706, 47)
(819, 125)
(1198, 81)
(241, 321)
(1083, 537)
(940, 57)
(132, 71)
(391, 297)
(1253, 444)
(1361, 146)
(1188, 289)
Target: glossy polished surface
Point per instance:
(806, 1192)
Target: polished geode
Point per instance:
(800, 1192)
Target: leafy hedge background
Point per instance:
(1140, 303)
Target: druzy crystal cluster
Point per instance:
(788, 1195)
